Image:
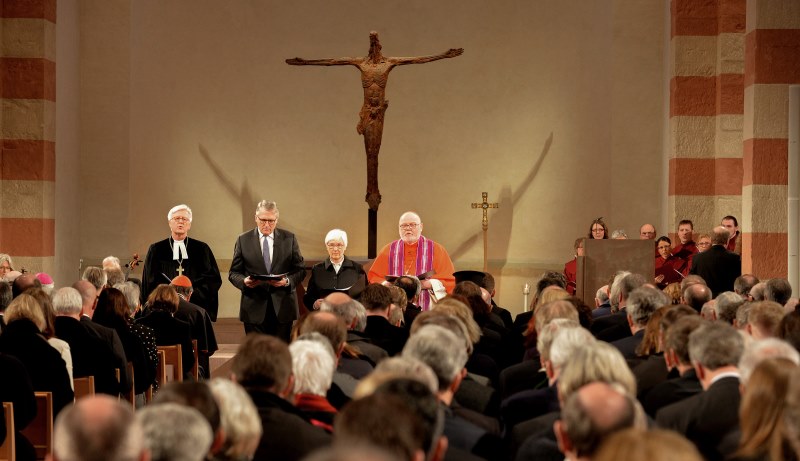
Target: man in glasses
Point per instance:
(416, 255)
(267, 267)
(179, 255)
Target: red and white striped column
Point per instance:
(27, 118)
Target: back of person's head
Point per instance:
(114, 276)
(328, 325)
(595, 362)
(192, 394)
(164, 298)
(791, 412)
(546, 313)
(548, 279)
(763, 318)
(652, 340)
(441, 350)
(571, 336)
(472, 292)
(715, 345)
(672, 315)
(98, 428)
(629, 283)
(651, 445)
(45, 303)
(376, 297)
(96, 276)
(67, 301)
(25, 307)
(691, 279)
(112, 309)
(238, 418)
(453, 306)
(397, 367)
(761, 409)
(23, 282)
(778, 290)
(384, 421)
(676, 338)
(262, 362)
(614, 290)
(643, 302)
(5, 295)
(789, 329)
(720, 236)
(756, 352)
(593, 413)
(696, 295)
(759, 291)
(726, 305)
(444, 320)
(743, 315)
(410, 285)
(313, 365)
(175, 432)
(744, 283)
(131, 292)
(345, 307)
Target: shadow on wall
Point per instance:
(502, 218)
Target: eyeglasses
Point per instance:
(180, 219)
(664, 247)
(266, 221)
(334, 246)
(411, 225)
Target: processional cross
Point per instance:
(485, 205)
(375, 70)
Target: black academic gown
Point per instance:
(200, 267)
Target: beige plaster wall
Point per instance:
(556, 109)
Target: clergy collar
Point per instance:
(329, 263)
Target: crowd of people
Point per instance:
(411, 360)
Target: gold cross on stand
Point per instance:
(485, 205)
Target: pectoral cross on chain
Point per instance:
(180, 269)
(485, 205)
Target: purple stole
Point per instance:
(424, 264)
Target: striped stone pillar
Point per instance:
(772, 63)
(706, 111)
(27, 121)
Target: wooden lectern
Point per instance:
(604, 258)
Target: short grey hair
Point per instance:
(347, 311)
(113, 260)
(5, 257)
(743, 315)
(726, 305)
(67, 301)
(131, 292)
(596, 362)
(440, 349)
(336, 235)
(602, 294)
(239, 419)
(361, 316)
(567, 340)
(313, 365)
(409, 367)
(716, 345)
(615, 288)
(759, 291)
(744, 283)
(545, 337)
(177, 208)
(175, 432)
(95, 276)
(757, 351)
(85, 434)
(267, 205)
(619, 233)
(778, 290)
(643, 302)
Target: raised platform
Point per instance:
(230, 333)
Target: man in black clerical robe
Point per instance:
(180, 255)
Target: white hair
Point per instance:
(238, 418)
(567, 341)
(758, 351)
(112, 261)
(440, 349)
(67, 301)
(131, 292)
(313, 366)
(175, 432)
(178, 208)
(336, 234)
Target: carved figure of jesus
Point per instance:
(375, 69)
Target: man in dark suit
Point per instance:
(643, 302)
(615, 326)
(377, 299)
(709, 417)
(268, 306)
(718, 266)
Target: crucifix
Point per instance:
(180, 269)
(485, 205)
(375, 69)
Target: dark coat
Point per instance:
(672, 391)
(718, 267)
(170, 331)
(110, 337)
(248, 260)
(324, 280)
(45, 367)
(385, 335)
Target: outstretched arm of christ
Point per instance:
(325, 62)
(451, 53)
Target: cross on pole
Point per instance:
(485, 205)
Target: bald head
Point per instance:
(337, 298)
(97, 428)
(721, 236)
(88, 296)
(647, 232)
(696, 295)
